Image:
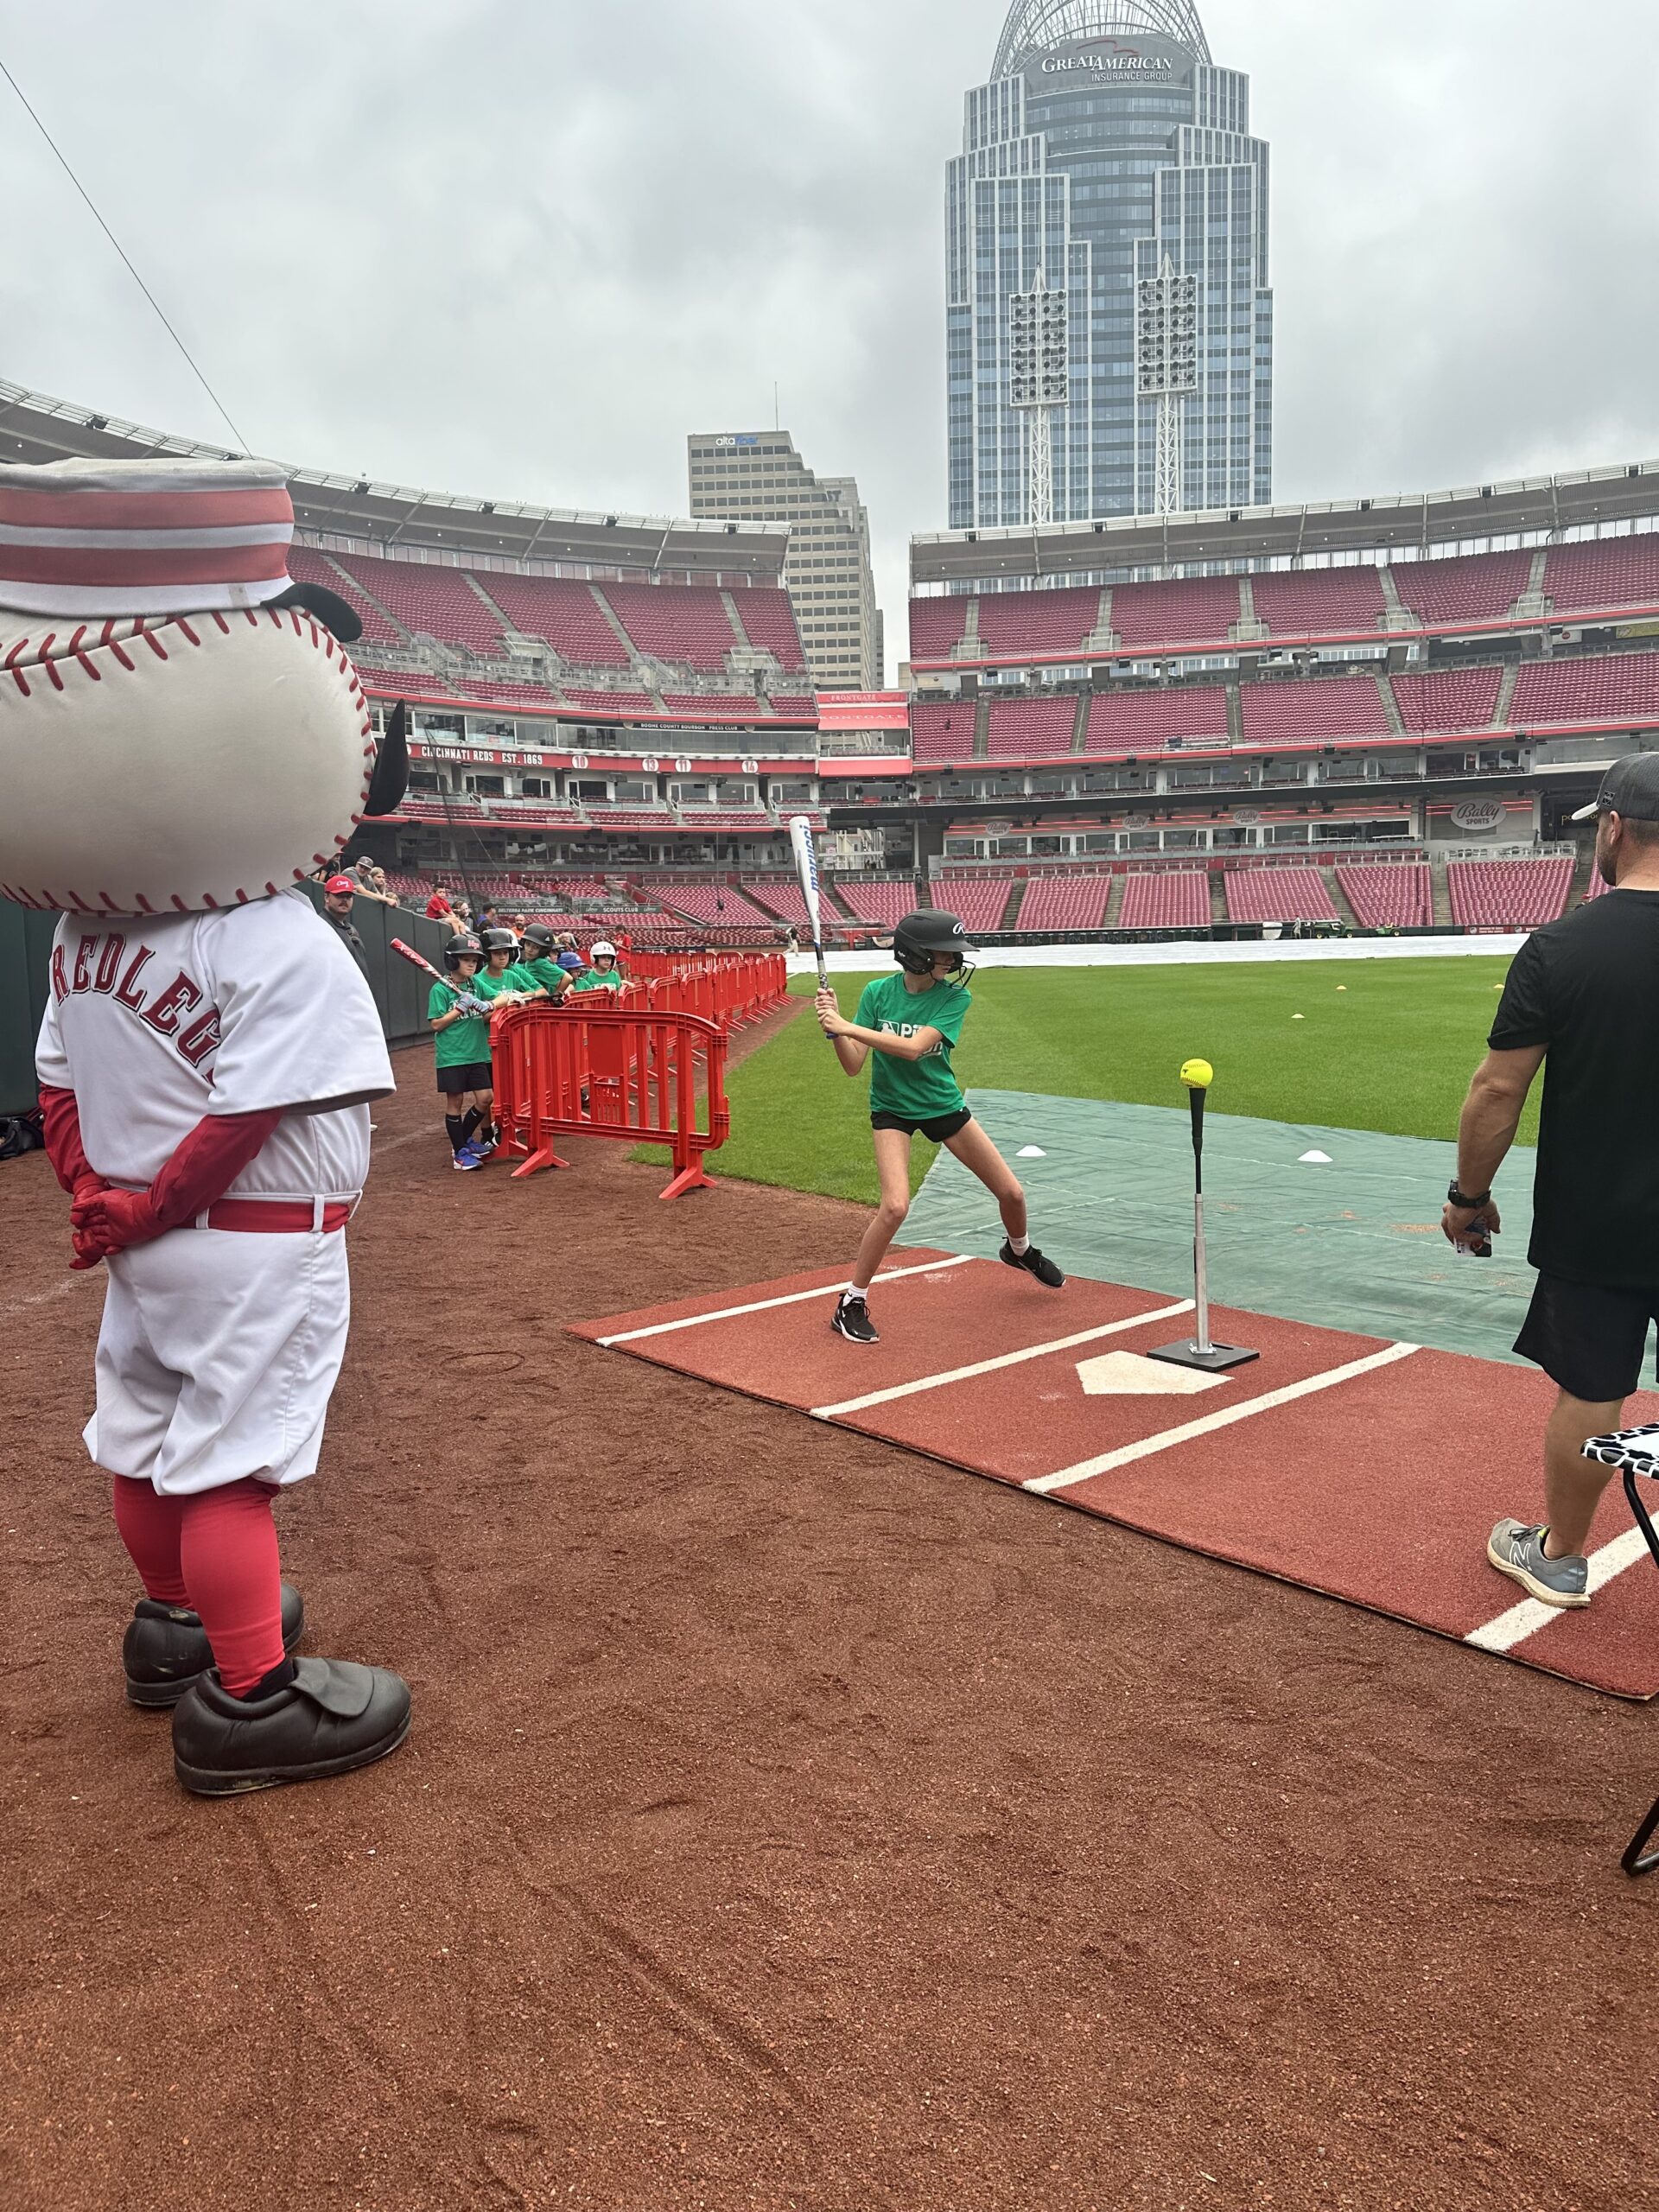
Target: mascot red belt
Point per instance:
(183, 738)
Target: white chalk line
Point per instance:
(1005, 1359)
(1519, 1622)
(769, 1305)
(1223, 1417)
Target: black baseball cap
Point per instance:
(1630, 787)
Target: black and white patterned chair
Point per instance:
(1634, 1453)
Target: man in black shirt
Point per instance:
(1582, 1000)
(338, 893)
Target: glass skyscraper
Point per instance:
(1107, 149)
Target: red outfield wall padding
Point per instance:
(1376, 1480)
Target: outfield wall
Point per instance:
(1197, 953)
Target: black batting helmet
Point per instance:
(498, 941)
(541, 937)
(929, 931)
(460, 949)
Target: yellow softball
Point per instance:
(1198, 1075)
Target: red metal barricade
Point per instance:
(610, 1070)
(732, 989)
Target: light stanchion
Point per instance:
(1198, 1350)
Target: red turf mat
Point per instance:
(1376, 1481)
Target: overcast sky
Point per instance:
(520, 248)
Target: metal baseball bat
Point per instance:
(806, 868)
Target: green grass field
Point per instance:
(1385, 1045)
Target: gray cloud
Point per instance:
(521, 250)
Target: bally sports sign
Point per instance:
(1479, 814)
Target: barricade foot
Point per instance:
(689, 1179)
(545, 1158)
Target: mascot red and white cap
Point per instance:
(182, 737)
(180, 726)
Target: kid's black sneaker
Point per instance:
(1033, 1263)
(852, 1320)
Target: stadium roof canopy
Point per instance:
(1535, 507)
(418, 524)
(1039, 26)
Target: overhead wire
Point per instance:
(68, 171)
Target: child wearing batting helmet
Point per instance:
(603, 975)
(494, 987)
(905, 1026)
(536, 973)
(459, 1024)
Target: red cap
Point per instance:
(337, 884)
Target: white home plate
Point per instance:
(1314, 1160)
(1031, 1151)
(1127, 1374)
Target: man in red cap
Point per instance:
(338, 894)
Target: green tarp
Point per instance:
(1355, 1244)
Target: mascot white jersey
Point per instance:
(182, 739)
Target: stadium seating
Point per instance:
(1319, 602)
(1166, 899)
(1278, 894)
(1616, 687)
(1197, 610)
(525, 698)
(779, 895)
(727, 819)
(429, 601)
(1604, 572)
(1478, 587)
(1388, 898)
(883, 902)
(768, 621)
(1316, 711)
(1040, 623)
(1508, 894)
(688, 626)
(614, 702)
(563, 614)
(632, 817)
(942, 729)
(979, 902)
(712, 706)
(721, 904)
(307, 567)
(1032, 729)
(1063, 902)
(1122, 722)
(795, 706)
(1448, 699)
(937, 625)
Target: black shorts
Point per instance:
(1589, 1340)
(465, 1075)
(942, 1126)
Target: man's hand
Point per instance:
(109, 1221)
(831, 1020)
(1461, 1225)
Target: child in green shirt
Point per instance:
(910, 1022)
(460, 1026)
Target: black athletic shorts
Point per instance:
(943, 1125)
(1589, 1340)
(465, 1075)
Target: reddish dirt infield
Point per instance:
(788, 1822)
(1291, 1464)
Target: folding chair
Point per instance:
(1634, 1453)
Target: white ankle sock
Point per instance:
(1019, 1246)
(853, 1291)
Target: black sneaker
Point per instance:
(334, 1715)
(1033, 1263)
(852, 1320)
(166, 1651)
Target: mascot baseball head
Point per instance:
(180, 726)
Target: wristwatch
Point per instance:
(1454, 1197)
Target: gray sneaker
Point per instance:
(1516, 1550)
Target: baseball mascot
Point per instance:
(183, 738)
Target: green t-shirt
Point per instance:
(590, 979)
(464, 1042)
(538, 976)
(920, 1090)
(491, 986)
